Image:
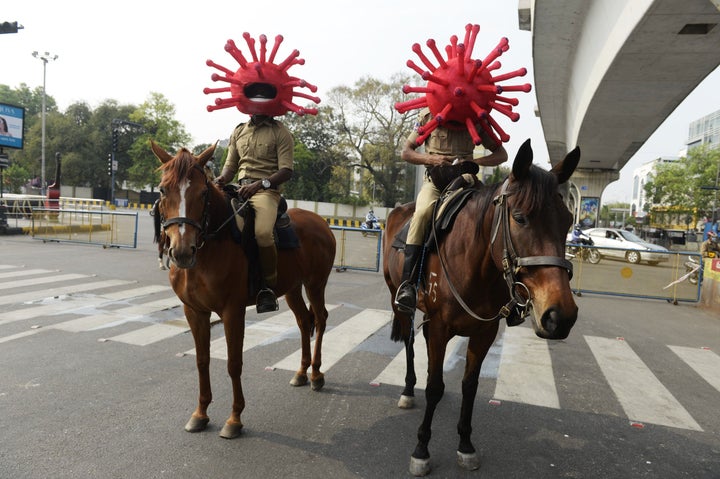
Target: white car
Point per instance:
(625, 245)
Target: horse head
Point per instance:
(184, 202)
(537, 221)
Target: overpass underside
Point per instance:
(609, 72)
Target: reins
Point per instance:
(511, 263)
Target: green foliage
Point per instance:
(348, 153)
(14, 177)
(686, 184)
(372, 133)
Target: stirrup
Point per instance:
(406, 298)
(266, 301)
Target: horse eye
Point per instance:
(519, 218)
(161, 190)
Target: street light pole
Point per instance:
(46, 57)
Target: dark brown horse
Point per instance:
(209, 272)
(503, 255)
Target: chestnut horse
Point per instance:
(504, 254)
(209, 273)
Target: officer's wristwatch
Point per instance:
(266, 184)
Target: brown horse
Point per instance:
(209, 273)
(503, 255)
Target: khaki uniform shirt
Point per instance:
(450, 141)
(258, 151)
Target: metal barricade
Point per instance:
(106, 228)
(670, 279)
(357, 248)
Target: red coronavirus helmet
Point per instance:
(261, 87)
(463, 91)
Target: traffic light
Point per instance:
(115, 140)
(109, 164)
(9, 27)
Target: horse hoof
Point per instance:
(197, 424)
(406, 402)
(419, 467)
(299, 380)
(231, 430)
(470, 462)
(317, 384)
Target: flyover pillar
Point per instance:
(587, 186)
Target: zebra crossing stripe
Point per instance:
(525, 373)
(275, 328)
(75, 304)
(29, 332)
(118, 316)
(394, 373)
(41, 280)
(342, 339)
(150, 334)
(52, 292)
(24, 272)
(641, 395)
(705, 362)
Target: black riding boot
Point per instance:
(266, 299)
(406, 296)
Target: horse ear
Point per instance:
(566, 167)
(206, 155)
(161, 154)
(523, 161)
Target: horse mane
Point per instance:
(529, 193)
(532, 192)
(178, 168)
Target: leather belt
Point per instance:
(247, 181)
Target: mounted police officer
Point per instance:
(260, 153)
(445, 145)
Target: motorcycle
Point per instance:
(693, 268)
(583, 252)
(371, 223)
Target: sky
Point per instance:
(127, 50)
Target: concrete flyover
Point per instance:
(609, 72)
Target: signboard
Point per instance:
(12, 119)
(588, 214)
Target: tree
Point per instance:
(157, 115)
(687, 184)
(372, 132)
(317, 154)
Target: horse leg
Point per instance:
(478, 347)
(420, 459)
(304, 319)
(318, 314)
(234, 324)
(407, 398)
(199, 323)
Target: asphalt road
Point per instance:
(632, 393)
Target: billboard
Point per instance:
(12, 119)
(589, 207)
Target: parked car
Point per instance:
(627, 245)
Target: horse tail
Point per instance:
(401, 328)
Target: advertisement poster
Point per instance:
(589, 212)
(11, 126)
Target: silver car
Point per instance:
(625, 245)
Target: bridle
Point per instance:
(510, 261)
(204, 223)
(184, 220)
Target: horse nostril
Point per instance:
(550, 321)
